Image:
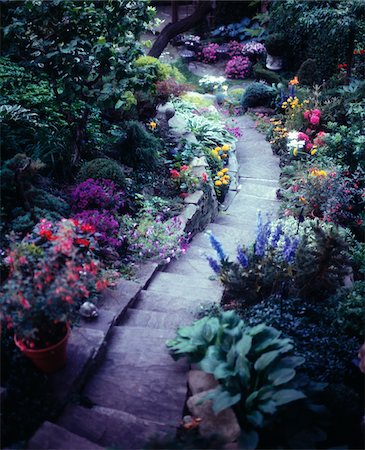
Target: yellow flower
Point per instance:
(226, 177)
(225, 182)
(225, 147)
(225, 170)
(302, 200)
(224, 155)
(220, 174)
(218, 183)
(295, 152)
(217, 149)
(306, 101)
(313, 152)
(322, 173)
(152, 125)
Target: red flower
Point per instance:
(101, 284)
(316, 112)
(47, 234)
(204, 177)
(184, 168)
(314, 120)
(82, 241)
(303, 137)
(174, 174)
(362, 51)
(183, 194)
(307, 115)
(87, 228)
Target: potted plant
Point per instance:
(275, 47)
(52, 271)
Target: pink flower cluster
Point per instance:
(208, 55)
(238, 67)
(234, 48)
(313, 116)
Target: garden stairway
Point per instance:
(139, 391)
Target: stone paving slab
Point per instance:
(146, 393)
(53, 437)
(158, 301)
(109, 427)
(156, 319)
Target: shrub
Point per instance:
(102, 168)
(350, 309)
(275, 44)
(97, 194)
(308, 73)
(238, 67)
(257, 94)
(169, 88)
(208, 55)
(234, 48)
(138, 148)
(158, 70)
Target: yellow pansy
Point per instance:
(313, 152)
(225, 147)
(218, 183)
(225, 182)
(295, 152)
(220, 174)
(153, 125)
(225, 170)
(217, 149)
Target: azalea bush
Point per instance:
(52, 270)
(209, 54)
(238, 67)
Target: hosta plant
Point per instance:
(255, 368)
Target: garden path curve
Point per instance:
(138, 390)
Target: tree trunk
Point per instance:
(173, 29)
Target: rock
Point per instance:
(200, 381)
(261, 110)
(223, 424)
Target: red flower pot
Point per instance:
(49, 359)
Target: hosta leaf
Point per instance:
(256, 419)
(285, 396)
(251, 398)
(222, 371)
(243, 346)
(211, 360)
(266, 359)
(268, 407)
(288, 362)
(223, 400)
(242, 368)
(281, 376)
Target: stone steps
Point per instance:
(111, 428)
(156, 319)
(52, 436)
(158, 301)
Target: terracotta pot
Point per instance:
(48, 359)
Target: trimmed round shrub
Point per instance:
(257, 94)
(308, 73)
(102, 168)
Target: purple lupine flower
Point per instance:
(242, 257)
(217, 246)
(276, 235)
(290, 247)
(262, 236)
(214, 265)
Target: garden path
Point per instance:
(138, 390)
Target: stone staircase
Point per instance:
(138, 391)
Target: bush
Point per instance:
(350, 310)
(158, 70)
(308, 73)
(102, 168)
(257, 94)
(138, 148)
(275, 44)
(238, 67)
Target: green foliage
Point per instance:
(308, 73)
(102, 168)
(260, 73)
(138, 147)
(254, 366)
(257, 94)
(275, 44)
(157, 70)
(320, 269)
(84, 51)
(350, 309)
(319, 30)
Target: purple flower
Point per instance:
(262, 236)
(214, 264)
(217, 246)
(276, 235)
(290, 247)
(242, 257)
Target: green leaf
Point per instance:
(101, 40)
(285, 396)
(281, 376)
(268, 407)
(211, 360)
(266, 359)
(119, 104)
(243, 346)
(256, 419)
(242, 368)
(249, 440)
(223, 399)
